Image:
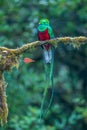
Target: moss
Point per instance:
(8, 60)
(3, 104)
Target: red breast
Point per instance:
(44, 36)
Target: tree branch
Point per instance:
(76, 41)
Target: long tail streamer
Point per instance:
(52, 80)
(49, 77)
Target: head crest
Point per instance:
(44, 21)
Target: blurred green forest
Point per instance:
(18, 25)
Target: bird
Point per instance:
(45, 32)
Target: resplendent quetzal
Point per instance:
(45, 32)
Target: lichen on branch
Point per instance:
(75, 41)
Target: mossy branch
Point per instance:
(3, 104)
(75, 41)
(10, 58)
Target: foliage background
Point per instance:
(18, 25)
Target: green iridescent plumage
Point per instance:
(49, 60)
